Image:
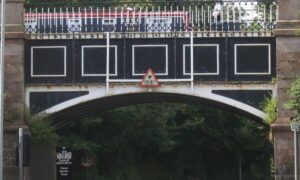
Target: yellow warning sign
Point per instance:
(149, 80)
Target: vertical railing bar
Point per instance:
(233, 17)
(127, 20)
(107, 61)
(43, 20)
(209, 18)
(222, 18)
(61, 19)
(73, 15)
(67, 17)
(172, 16)
(185, 16)
(160, 17)
(277, 12)
(190, 21)
(146, 18)
(97, 19)
(271, 13)
(80, 19)
(240, 14)
(257, 10)
(202, 14)
(140, 19)
(260, 18)
(182, 19)
(265, 14)
(192, 60)
(41, 16)
(85, 19)
(196, 14)
(276, 18)
(227, 18)
(109, 16)
(56, 21)
(103, 13)
(177, 19)
(134, 20)
(37, 17)
(92, 19)
(115, 20)
(252, 14)
(28, 18)
(154, 17)
(192, 18)
(49, 20)
(122, 19)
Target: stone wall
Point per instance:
(13, 85)
(288, 68)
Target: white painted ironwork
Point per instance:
(107, 62)
(227, 16)
(192, 61)
(203, 90)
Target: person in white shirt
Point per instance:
(217, 12)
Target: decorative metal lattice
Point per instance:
(164, 16)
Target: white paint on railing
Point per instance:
(237, 16)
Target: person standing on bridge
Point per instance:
(217, 12)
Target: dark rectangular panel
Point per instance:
(150, 56)
(94, 60)
(252, 59)
(39, 101)
(48, 61)
(253, 98)
(206, 59)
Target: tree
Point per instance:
(294, 102)
(170, 142)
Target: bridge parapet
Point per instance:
(173, 16)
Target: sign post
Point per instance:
(295, 128)
(20, 153)
(149, 80)
(63, 164)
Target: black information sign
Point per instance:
(63, 163)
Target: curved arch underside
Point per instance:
(92, 107)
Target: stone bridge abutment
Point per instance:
(288, 68)
(13, 84)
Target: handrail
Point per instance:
(149, 17)
(61, 3)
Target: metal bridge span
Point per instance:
(243, 99)
(229, 70)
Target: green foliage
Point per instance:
(40, 129)
(168, 142)
(269, 106)
(294, 93)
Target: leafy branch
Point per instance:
(41, 130)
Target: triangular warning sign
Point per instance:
(149, 80)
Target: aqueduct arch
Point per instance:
(91, 107)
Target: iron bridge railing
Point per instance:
(245, 16)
